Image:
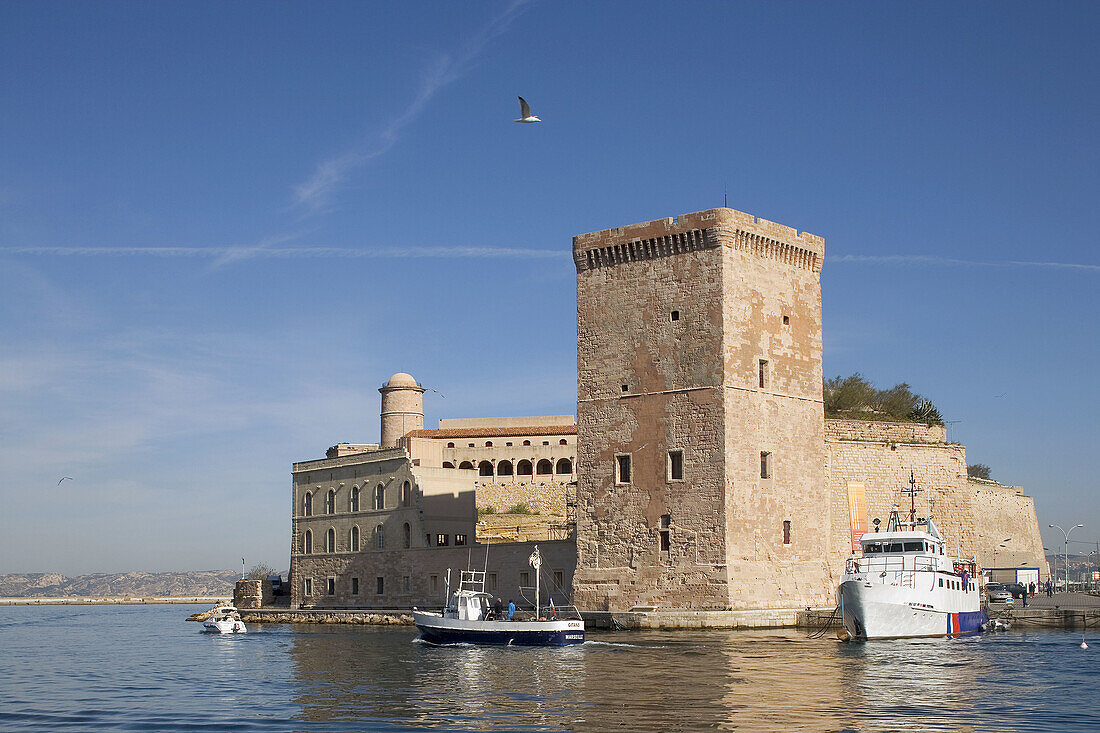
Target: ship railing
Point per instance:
(893, 563)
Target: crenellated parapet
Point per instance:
(697, 231)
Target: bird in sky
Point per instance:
(63, 478)
(525, 112)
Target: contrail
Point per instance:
(934, 260)
(291, 252)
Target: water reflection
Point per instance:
(745, 681)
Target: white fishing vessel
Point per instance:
(224, 620)
(470, 618)
(905, 584)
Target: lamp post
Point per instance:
(1089, 579)
(1066, 535)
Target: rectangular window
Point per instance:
(355, 586)
(559, 579)
(941, 582)
(666, 533)
(433, 583)
(307, 586)
(622, 468)
(763, 373)
(441, 540)
(765, 464)
(330, 586)
(406, 583)
(786, 531)
(428, 539)
(379, 585)
(490, 582)
(460, 539)
(676, 465)
(525, 579)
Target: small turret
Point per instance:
(402, 408)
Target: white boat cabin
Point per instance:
(908, 551)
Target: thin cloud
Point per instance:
(232, 254)
(949, 261)
(316, 191)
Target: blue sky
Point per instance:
(222, 226)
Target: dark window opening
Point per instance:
(485, 468)
(330, 586)
(460, 539)
(523, 468)
(674, 315)
(666, 533)
(623, 469)
(676, 465)
(765, 464)
(379, 585)
(544, 467)
(467, 465)
(563, 441)
(504, 468)
(626, 388)
(786, 531)
(763, 373)
(786, 320)
(441, 540)
(488, 444)
(355, 586)
(525, 579)
(527, 442)
(307, 586)
(564, 466)
(450, 445)
(408, 535)
(448, 464)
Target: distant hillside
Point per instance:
(137, 584)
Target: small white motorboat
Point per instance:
(224, 620)
(470, 619)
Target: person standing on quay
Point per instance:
(511, 609)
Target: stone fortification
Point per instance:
(700, 456)
(417, 577)
(868, 470)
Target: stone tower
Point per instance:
(699, 416)
(402, 408)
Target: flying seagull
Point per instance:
(63, 478)
(525, 112)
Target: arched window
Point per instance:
(379, 537)
(565, 466)
(523, 468)
(408, 535)
(544, 466)
(488, 444)
(563, 442)
(485, 469)
(448, 464)
(307, 542)
(353, 500)
(466, 464)
(330, 540)
(504, 468)
(450, 445)
(406, 494)
(307, 504)
(353, 540)
(380, 497)
(330, 502)
(527, 442)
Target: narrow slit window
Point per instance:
(674, 316)
(623, 469)
(763, 373)
(786, 531)
(666, 533)
(355, 586)
(379, 585)
(676, 465)
(786, 320)
(765, 464)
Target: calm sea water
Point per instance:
(145, 668)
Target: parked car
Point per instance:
(1016, 589)
(998, 593)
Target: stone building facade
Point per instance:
(700, 475)
(699, 415)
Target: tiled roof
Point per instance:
(494, 432)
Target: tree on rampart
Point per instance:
(855, 397)
(977, 470)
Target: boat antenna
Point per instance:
(913, 497)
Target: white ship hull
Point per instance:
(877, 611)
